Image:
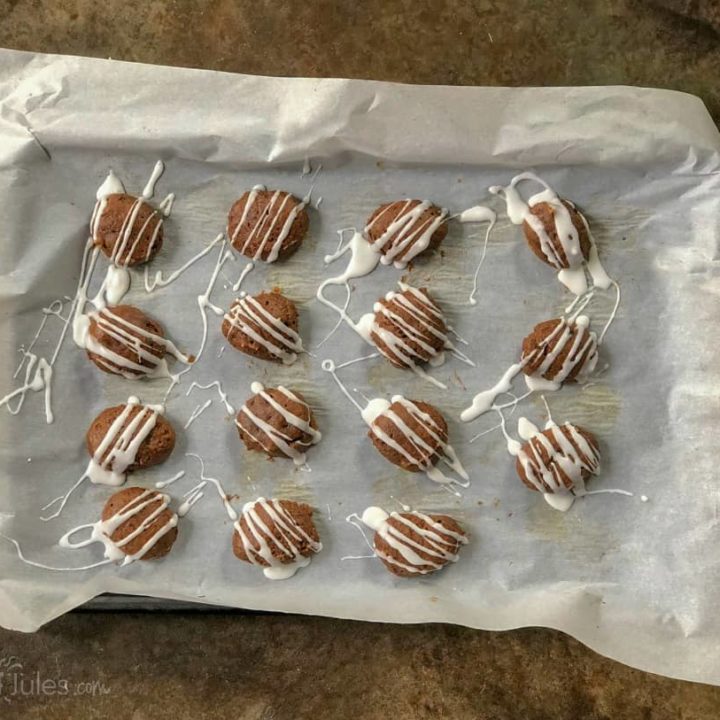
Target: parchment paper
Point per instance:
(636, 581)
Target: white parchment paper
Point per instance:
(636, 581)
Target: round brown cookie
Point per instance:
(546, 214)
(298, 521)
(126, 500)
(108, 338)
(379, 222)
(133, 225)
(537, 346)
(432, 547)
(278, 437)
(434, 435)
(408, 336)
(264, 224)
(248, 315)
(539, 454)
(153, 450)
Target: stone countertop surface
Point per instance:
(234, 665)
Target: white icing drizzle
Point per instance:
(204, 304)
(218, 486)
(439, 546)
(288, 537)
(405, 234)
(117, 451)
(268, 433)
(423, 453)
(249, 317)
(243, 275)
(571, 273)
(160, 484)
(126, 242)
(363, 260)
(479, 214)
(266, 223)
(221, 394)
(197, 412)
(160, 281)
(191, 497)
(568, 332)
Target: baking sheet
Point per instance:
(635, 581)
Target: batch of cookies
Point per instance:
(406, 327)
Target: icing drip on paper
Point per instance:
(248, 316)
(288, 537)
(221, 394)
(439, 544)
(160, 281)
(270, 434)
(363, 260)
(405, 234)
(117, 451)
(422, 454)
(572, 271)
(479, 214)
(224, 497)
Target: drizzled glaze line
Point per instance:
(288, 538)
(221, 394)
(479, 214)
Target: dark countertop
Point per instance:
(232, 665)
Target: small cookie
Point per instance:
(267, 225)
(264, 326)
(278, 535)
(412, 543)
(129, 437)
(278, 422)
(558, 459)
(556, 232)
(123, 340)
(410, 434)
(403, 229)
(560, 350)
(139, 524)
(408, 327)
(127, 229)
